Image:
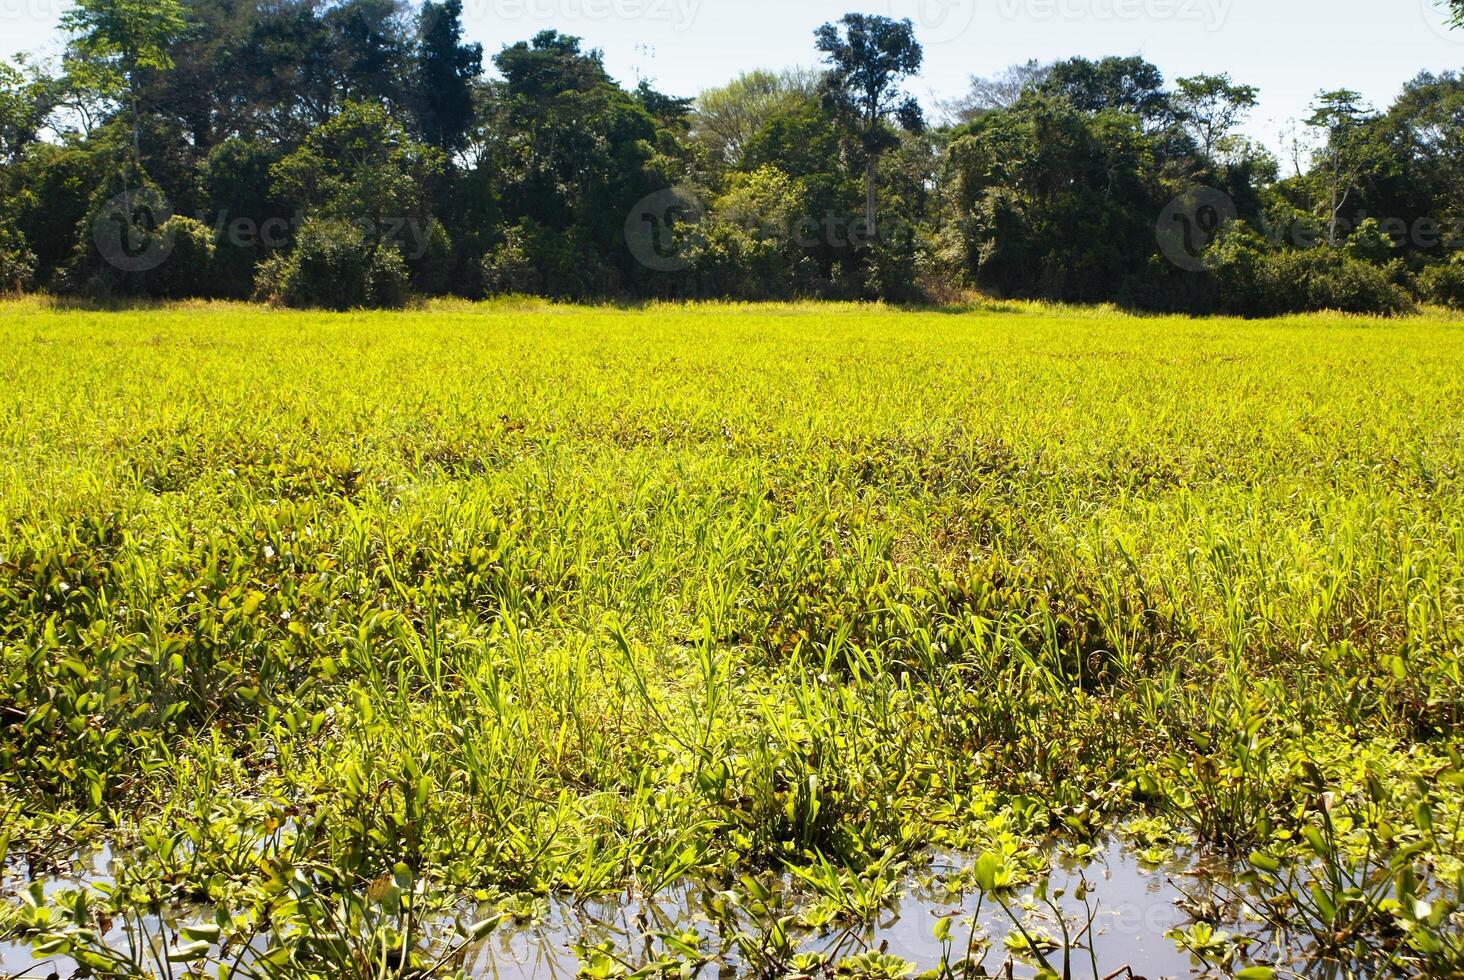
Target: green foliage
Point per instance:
(337, 265)
(1112, 84)
(251, 118)
(727, 118)
(432, 261)
(360, 166)
(869, 58)
(1030, 182)
(1443, 284)
(1256, 281)
(446, 71)
(132, 34)
(1211, 106)
(17, 262)
(188, 270)
(27, 98)
(684, 592)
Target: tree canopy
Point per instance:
(347, 152)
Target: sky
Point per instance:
(1289, 49)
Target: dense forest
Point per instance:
(347, 153)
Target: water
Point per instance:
(1135, 905)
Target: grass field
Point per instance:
(331, 621)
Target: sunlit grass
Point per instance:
(533, 597)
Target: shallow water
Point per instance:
(1135, 906)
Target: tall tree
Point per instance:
(728, 117)
(550, 65)
(359, 166)
(1126, 84)
(27, 97)
(125, 38)
(1340, 115)
(1210, 107)
(868, 57)
(447, 70)
(370, 49)
(1000, 91)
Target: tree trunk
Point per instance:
(1332, 224)
(136, 129)
(871, 209)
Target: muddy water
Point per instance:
(1131, 907)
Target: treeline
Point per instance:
(347, 153)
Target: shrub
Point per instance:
(119, 244)
(509, 267)
(536, 260)
(188, 269)
(236, 185)
(388, 283)
(1254, 281)
(894, 267)
(1370, 243)
(432, 263)
(17, 261)
(334, 265)
(1443, 284)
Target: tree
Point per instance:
(370, 49)
(447, 70)
(360, 166)
(27, 97)
(1048, 200)
(549, 65)
(671, 111)
(581, 152)
(1210, 107)
(726, 118)
(1001, 91)
(868, 57)
(1339, 115)
(1125, 84)
(126, 38)
(1416, 177)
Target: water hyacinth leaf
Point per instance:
(985, 871)
(189, 952)
(1264, 862)
(201, 933)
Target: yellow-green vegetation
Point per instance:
(496, 601)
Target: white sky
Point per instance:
(1290, 49)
